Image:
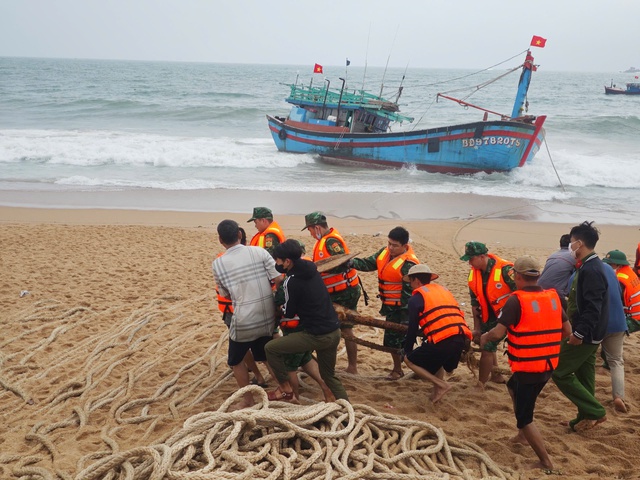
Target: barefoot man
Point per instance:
(535, 325)
(434, 313)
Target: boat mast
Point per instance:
(525, 79)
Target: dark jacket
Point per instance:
(591, 319)
(307, 297)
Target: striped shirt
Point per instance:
(243, 274)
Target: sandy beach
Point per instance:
(116, 345)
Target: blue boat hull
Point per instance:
(488, 146)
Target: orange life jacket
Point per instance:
(390, 275)
(258, 239)
(533, 345)
(631, 282)
(497, 289)
(335, 282)
(441, 317)
(225, 305)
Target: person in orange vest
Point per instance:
(434, 314)
(490, 284)
(269, 232)
(342, 282)
(535, 325)
(225, 305)
(393, 263)
(630, 285)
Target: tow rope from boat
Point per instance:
(554, 166)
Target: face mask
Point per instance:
(319, 236)
(280, 268)
(572, 252)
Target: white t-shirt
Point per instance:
(243, 274)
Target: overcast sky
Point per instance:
(586, 35)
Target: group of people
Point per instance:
(554, 319)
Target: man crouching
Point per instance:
(433, 312)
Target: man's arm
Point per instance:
(496, 333)
(415, 306)
(368, 264)
(508, 275)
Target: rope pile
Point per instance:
(275, 440)
(118, 394)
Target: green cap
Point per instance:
(616, 257)
(471, 249)
(260, 212)
(314, 218)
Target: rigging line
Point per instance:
(546, 144)
(366, 56)
(474, 73)
(484, 84)
(415, 125)
(384, 74)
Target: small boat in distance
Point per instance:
(352, 128)
(632, 89)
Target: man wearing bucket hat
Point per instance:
(269, 232)
(490, 284)
(535, 324)
(342, 282)
(630, 284)
(434, 314)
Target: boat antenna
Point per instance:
(346, 67)
(404, 75)
(366, 56)
(387, 65)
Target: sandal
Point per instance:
(280, 395)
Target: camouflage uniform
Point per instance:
(271, 240)
(476, 248)
(392, 313)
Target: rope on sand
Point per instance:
(278, 440)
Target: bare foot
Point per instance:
(480, 387)
(619, 405)
(438, 393)
(588, 424)
(520, 438)
(329, 397)
(544, 466)
(498, 378)
(351, 370)
(394, 375)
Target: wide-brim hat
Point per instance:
(420, 268)
(616, 257)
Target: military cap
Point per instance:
(616, 257)
(314, 218)
(261, 212)
(471, 249)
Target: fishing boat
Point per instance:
(353, 128)
(632, 89)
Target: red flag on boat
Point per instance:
(537, 41)
(317, 68)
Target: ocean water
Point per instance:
(89, 125)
